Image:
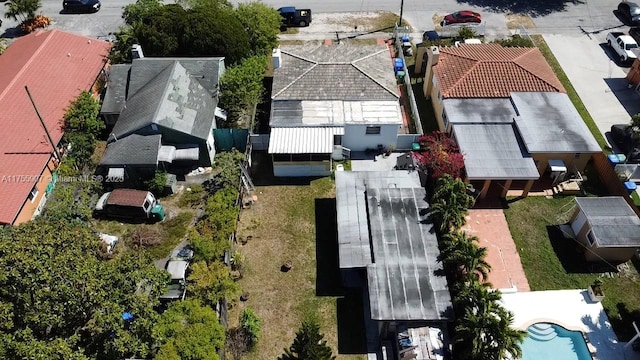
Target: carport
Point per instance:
(493, 152)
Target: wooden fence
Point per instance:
(611, 180)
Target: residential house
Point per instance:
(509, 114)
(607, 227)
(173, 97)
(328, 98)
(387, 246)
(55, 66)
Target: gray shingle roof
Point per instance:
(205, 70)
(406, 282)
(612, 220)
(549, 123)
(133, 150)
(173, 99)
(116, 93)
(339, 72)
(493, 151)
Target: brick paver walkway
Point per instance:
(490, 226)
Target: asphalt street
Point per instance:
(570, 17)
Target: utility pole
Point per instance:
(46, 131)
(401, 8)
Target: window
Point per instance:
(146, 205)
(33, 194)
(439, 96)
(154, 127)
(337, 139)
(373, 130)
(444, 119)
(591, 238)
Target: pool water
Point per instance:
(553, 342)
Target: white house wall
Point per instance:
(356, 138)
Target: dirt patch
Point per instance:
(381, 21)
(515, 20)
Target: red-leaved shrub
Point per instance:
(439, 154)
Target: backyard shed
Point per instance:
(607, 227)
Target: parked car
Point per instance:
(186, 253)
(177, 287)
(621, 136)
(630, 11)
(623, 45)
(291, 16)
(462, 17)
(81, 6)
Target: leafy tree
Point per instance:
(309, 344)
(22, 10)
(450, 203)
(225, 35)
(250, 324)
(241, 89)
(140, 10)
(189, 330)
(262, 24)
(439, 155)
(66, 301)
(463, 253)
(205, 246)
(212, 283)
(82, 126)
(121, 48)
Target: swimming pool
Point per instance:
(553, 342)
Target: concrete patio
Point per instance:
(573, 310)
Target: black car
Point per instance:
(83, 6)
(430, 36)
(621, 136)
(630, 12)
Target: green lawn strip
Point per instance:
(528, 220)
(571, 92)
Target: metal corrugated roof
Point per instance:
(493, 151)
(336, 113)
(612, 220)
(381, 225)
(549, 123)
(303, 140)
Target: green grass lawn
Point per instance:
(552, 262)
(571, 92)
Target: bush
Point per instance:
(158, 183)
(145, 236)
(439, 155)
(515, 41)
(192, 197)
(38, 22)
(250, 323)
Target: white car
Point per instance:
(623, 45)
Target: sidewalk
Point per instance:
(599, 82)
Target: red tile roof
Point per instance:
(490, 71)
(56, 66)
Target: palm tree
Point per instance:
(450, 203)
(462, 251)
(474, 294)
(22, 10)
(486, 334)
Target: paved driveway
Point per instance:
(598, 80)
(490, 226)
